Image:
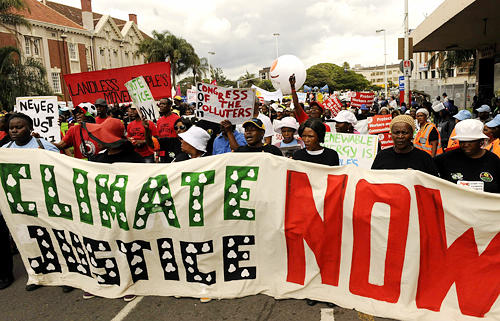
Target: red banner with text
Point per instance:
(333, 104)
(110, 83)
(359, 99)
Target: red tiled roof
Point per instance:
(40, 12)
(75, 14)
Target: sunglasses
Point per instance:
(182, 127)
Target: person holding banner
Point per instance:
(193, 144)
(470, 165)
(228, 140)
(427, 138)
(4, 130)
(140, 133)
(288, 127)
(344, 122)
(254, 133)
(403, 155)
(166, 131)
(312, 132)
(84, 146)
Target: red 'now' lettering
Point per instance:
(398, 198)
(476, 276)
(303, 222)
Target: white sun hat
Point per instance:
(469, 130)
(288, 122)
(345, 116)
(196, 137)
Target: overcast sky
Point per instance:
(241, 32)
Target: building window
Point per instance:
(73, 55)
(433, 74)
(36, 47)
(451, 72)
(27, 46)
(101, 51)
(56, 82)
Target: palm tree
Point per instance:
(9, 17)
(164, 46)
(248, 79)
(20, 79)
(451, 59)
(200, 69)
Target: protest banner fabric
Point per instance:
(143, 99)
(215, 104)
(268, 95)
(355, 149)
(333, 104)
(359, 99)
(110, 83)
(44, 111)
(388, 243)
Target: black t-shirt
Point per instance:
(415, 159)
(265, 148)
(455, 166)
(327, 157)
(434, 135)
(127, 155)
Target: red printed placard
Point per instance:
(379, 124)
(362, 98)
(110, 83)
(333, 103)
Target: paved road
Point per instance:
(50, 303)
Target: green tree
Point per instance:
(186, 84)
(217, 74)
(336, 77)
(266, 84)
(19, 79)
(9, 17)
(454, 58)
(247, 80)
(200, 69)
(166, 46)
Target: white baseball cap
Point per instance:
(484, 109)
(469, 130)
(345, 116)
(288, 122)
(196, 137)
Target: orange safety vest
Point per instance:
(452, 143)
(494, 147)
(421, 140)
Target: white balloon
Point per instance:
(281, 70)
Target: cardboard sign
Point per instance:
(393, 244)
(45, 113)
(216, 103)
(191, 96)
(359, 99)
(379, 124)
(143, 99)
(355, 149)
(333, 104)
(110, 83)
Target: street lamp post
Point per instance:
(407, 55)
(385, 61)
(276, 35)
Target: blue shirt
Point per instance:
(33, 144)
(221, 143)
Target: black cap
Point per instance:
(255, 122)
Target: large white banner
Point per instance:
(277, 95)
(44, 111)
(398, 244)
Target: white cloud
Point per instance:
(240, 32)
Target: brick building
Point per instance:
(71, 40)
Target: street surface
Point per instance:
(50, 303)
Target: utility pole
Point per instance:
(209, 65)
(407, 55)
(385, 61)
(276, 35)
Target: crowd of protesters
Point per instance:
(437, 138)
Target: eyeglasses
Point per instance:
(181, 127)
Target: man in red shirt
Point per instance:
(102, 110)
(166, 130)
(77, 137)
(140, 133)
